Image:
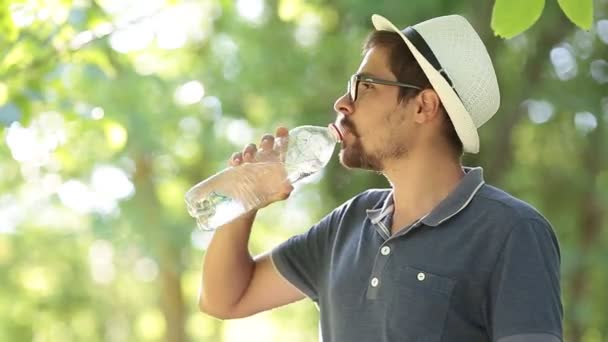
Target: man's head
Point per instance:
(426, 93)
(406, 69)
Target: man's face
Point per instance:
(377, 127)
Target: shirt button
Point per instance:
(421, 276)
(386, 250)
(375, 282)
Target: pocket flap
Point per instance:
(422, 280)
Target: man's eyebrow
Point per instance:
(367, 74)
(370, 75)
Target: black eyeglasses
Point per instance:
(353, 84)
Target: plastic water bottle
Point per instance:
(235, 191)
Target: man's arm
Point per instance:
(234, 284)
(525, 299)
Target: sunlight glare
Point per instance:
(101, 253)
(563, 62)
(237, 131)
(112, 182)
(76, 195)
(585, 122)
(189, 93)
(145, 270)
(539, 111)
(308, 30)
(251, 10)
(34, 144)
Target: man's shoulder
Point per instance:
(503, 204)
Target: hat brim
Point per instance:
(460, 117)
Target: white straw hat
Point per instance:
(457, 64)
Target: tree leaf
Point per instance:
(7, 27)
(512, 17)
(580, 12)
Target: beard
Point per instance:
(355, 155)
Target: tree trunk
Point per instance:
(168, 254)
(172, 301)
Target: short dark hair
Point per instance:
(405, 67)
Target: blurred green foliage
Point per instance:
(110, 110)
(512, 17)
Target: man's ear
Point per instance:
(428, 106)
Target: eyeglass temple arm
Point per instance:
(387, 82)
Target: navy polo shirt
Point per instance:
(481, 266)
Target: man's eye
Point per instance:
(367, 85)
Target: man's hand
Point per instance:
(272, 153)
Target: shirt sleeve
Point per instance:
(525, 301)
(303, 259)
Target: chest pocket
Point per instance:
(420, 305)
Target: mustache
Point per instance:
(351, 127)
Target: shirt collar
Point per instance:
(456, 201)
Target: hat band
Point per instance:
(424, 49)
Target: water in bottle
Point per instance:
(234, 191)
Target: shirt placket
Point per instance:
(384, 253)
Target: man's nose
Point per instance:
(344, 105)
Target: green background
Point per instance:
(110, 110)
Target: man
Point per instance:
(441, 256)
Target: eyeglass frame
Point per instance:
(357, 78)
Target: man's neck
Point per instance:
(420, 184)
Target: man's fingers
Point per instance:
(249, 153)
(282, 132)
(267, 143)
(269, 148)
(281, 142)
(236, 159)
